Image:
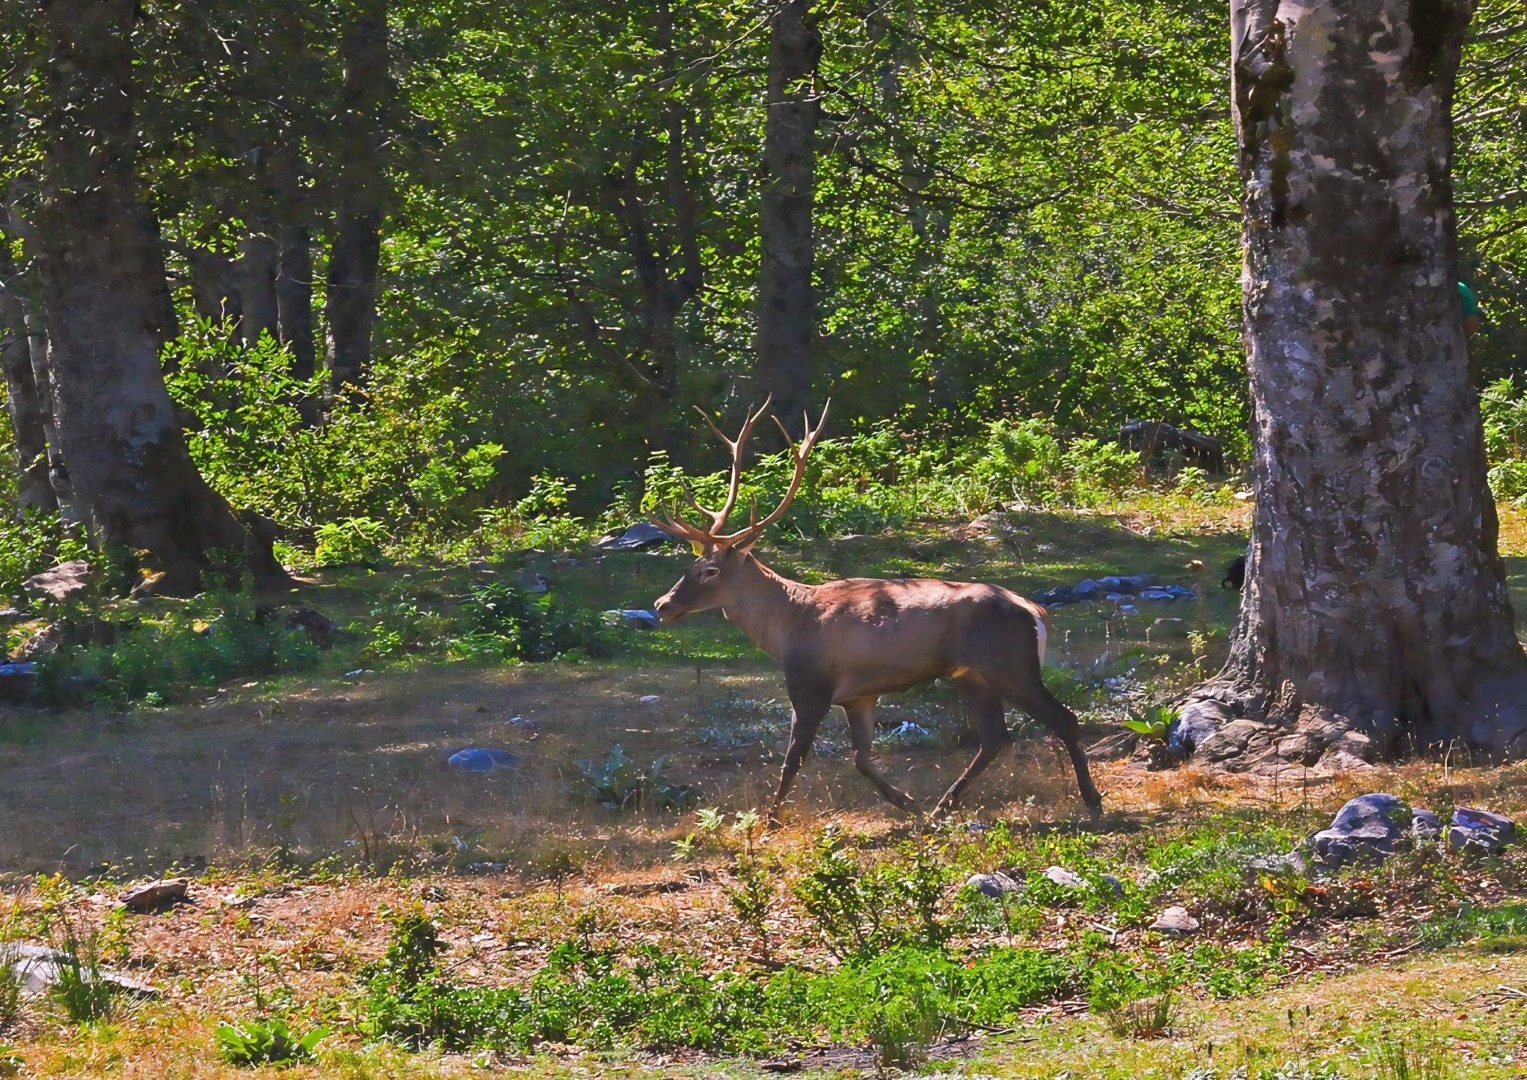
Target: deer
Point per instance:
(848, 642)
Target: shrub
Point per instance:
(265, 1042)
(507, 621)
(621, 784)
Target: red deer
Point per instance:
(847, 642)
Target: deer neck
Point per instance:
(763, 605)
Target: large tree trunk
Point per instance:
(33, 490)
(786, 309)
(356, 251)
(294, 270)
(103, 280)
(1375, 617)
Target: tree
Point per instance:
(786, 300)
(361, 149)
(1375, 614)
(104, 289)
(29, 418)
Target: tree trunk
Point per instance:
(294, 270)
(33, 490)
(259, 256)
(1375, 617)
(786, 312)
(362, 184)
(103, 279)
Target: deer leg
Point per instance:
(984, 707)
(861, 733)
(1061, 721)
(805, 719)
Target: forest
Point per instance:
(352, 349)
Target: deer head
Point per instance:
(710, 582)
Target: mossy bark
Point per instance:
(1375, 617)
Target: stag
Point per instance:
(847, 642)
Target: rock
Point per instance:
(1151, 438)
(1195, 724)
(1115, 886)
(1128, 609)
(1232, 740)
(480, 760)
(63, 581)
(523, 724)
(18, 681)
(1069, 879)
(1086, 589)
(996, 885)
(1479, 832)
(652, 699)
(154, 896)
(1368, 828)
(1112, 583)
(642, 536)
(37, 969)
(433, 894)
(1292, 863)
(43, 643)
(320, 629)
(1156, 594)
(1136, 582)
(486, 867)
(635, 618)
(1180, 592)
(1175, 922)
(11, 614)
(1167, 630)
(531, 582)
(1425, 825)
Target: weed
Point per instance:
(1418, 1059)
(621, 784)
(503, 620)
(82, 991)
(265, 1042)
(751, 897)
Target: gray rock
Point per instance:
(1425, 825)
(1168, 630)
(63, 581)
(635, 618)
(1368, 828)
(1195, 724)
(1292, 863)
(1115, 886)
(1069, 879)
(639, 537)
(155, 895)
(1479, 832)
(1175, 922)
(995, 885)
(1086, 589)
(38, 969)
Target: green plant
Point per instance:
(620, 783)
(1418, 1058)
(350, 540)
(265, 1042)
(508, 622)
(751, 896)
(1154, 722)
(81, 988)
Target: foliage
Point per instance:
(861, 910)
(31, 543)
(270, 1041)
(622, 784)
(505, 621)
(1154, 722)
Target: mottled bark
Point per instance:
(1375, 617)
(354, 257)
(29, 433)
(786, 299)
(102, 280)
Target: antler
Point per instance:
(744, 537)
(673, 525)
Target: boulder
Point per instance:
(1479, 832)
(1368, 829)
(642, 536)
(1195, 725)
(63, 581)
(37, 969)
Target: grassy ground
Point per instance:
(307, 807)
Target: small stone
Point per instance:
(1175, 922)
(996, 885)
(635, 618)
(1114, 885)
(433, 894)
(154, 896)
(651, 699)
(1069, 879)
(480, 760)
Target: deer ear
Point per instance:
(697, 547)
